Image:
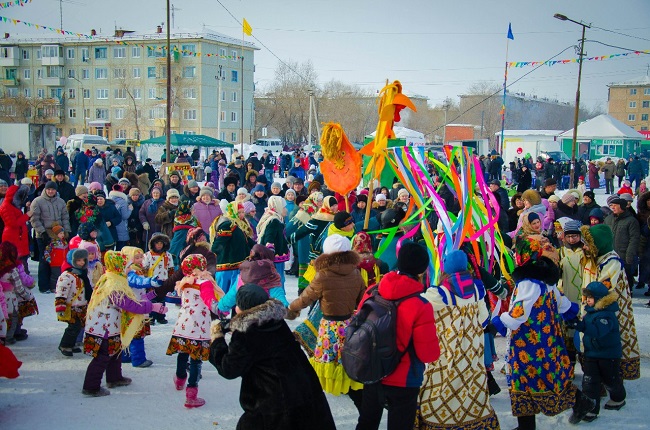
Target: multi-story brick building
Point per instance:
(116, 86)
(629, 102)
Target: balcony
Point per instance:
(11, 82)
(9, 62)
(9, 56)
(52, 55)
(53, 82)
(53, 61)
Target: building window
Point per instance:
(152, 93)
(101, 73)
(222, 53)
(646, 91)
(120, 93)
(73, 130)
(54, 72)
(223, 96)
(189, 114)
(101, 113)
(85, 74)
(86, 93)
(631, 117)
(119, 73)
(135, 52)
(644, 128)
(39, 73)
(151, 72)
(136, 72)
(153, 51)
(72, 113)
(87, 113)
(28, 92)
(189, 93)
(102, 93)
(233, 54)
(188, 50)
(137, 93)
(56, 93)
(121, 134)
(72, 93)
(119, 113)
(646, 103)
(101, 53)
(222, 136)
(189, 72)
(84, 54)
(233, 76)
(25, 54)
(234, 96)
(632, 91)
(40, 93)
(152, 134)
(12, 92)
(70, 53)
(233, 137)
(233, 116)
(189, 132)
(632, 104)
(27, 73)
(71, 73)
(644, 117)
(119, 52)
(52, 51)
(222, 117)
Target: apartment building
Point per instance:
(629, 102)
(116, 86)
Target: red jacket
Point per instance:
(15, 220)
(414, 321)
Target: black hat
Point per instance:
(250, 295)
(228, 180)
(99, 194)
(392, 217)
(362, 198)
(51, 185)
(549, 182)
(342, 219)
(589, 194)
(495, 182)
(59, 172)
(412, 259)
(299, 181)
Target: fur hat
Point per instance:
(173, 192)
(412, 259)
(336, 243)
(313, 186)
(229, 180)
(532, 197)
(362, 198)
(627, 197)
(77, 254)
(250, 295)
(454, 262)
(162, 238)
(80, 190)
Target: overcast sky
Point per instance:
(435, 48)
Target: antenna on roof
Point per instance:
(174, 9)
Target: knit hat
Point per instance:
(336, 243)
(553, 199)
(95, 186)
(597, 213)
(611, 198)
(259, 187)
(207, 170)
(118, 188)
(290, 191)
(362, 198)
(549, 182)
(627, 183)
(80, 190)
(589, 194)
(242, 190)
(134, 192)
(276, 185)
(342, 219)
(115, 170)
(50, 185)
(362, 243)
(206, 191)
(568, 198)
(173, 192)
(313, 186)
(532, 197)
(572, 226)
(99, 162)
(26, 181)
(248, 207)
(380, 197)
(57, 228)
(403, 192)
(88, 246)
(412, 259)
(49, 172)
(59, 172)
(533, 216)
(454, 262)
(627, 197)
(192, 184)
(250, 295)
(603, 238)
(193, 262)
(392, 217)
(99, 194)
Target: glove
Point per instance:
(571, 313)
(156, 282)
(215, 330)
(207, 293)
(145, 225)
(159, 308)
(498, 325)
(292, 315)
(151, 295)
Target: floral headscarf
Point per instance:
(530, 248)
(362, 243)
(130, 252)
(88, 212)
(232, 213)
(312, 203)
(193, 262)
(325, 212)
(274, 209)
(184, 215)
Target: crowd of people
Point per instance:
(117, 246)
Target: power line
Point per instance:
(622, 34)
(614, 46)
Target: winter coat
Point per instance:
(583, 212)
(620, 168)
(337, 284)
(635, 168)
(525, 180)
(48, 210)
(110, 213)
(225, 195)
(626, 235)
(65, 190)
(297, 172)
(188, 196)
(279, 388)
(81, 163)
(134, 219)
(564, 210)
(502, 198)
(122, 205)
(63, 161)
(149, 217)
(594, 179)
(206, 213)
(103, 321)
(96, 173)
(150, 171)
(415, 326)
(260, 205)
(165, 218)
(602, 337)
(274, 234)
(231, 246)
(15, 221)
(609, 168)
(22, 165)
(193, 323)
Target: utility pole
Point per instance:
(169, 92)
(311, 94)
(220, 77)
(83, 101)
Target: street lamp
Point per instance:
(577, 108)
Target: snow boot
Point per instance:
(614, 406)
(66, 351)
(582, 407)
(179, 383)
(590, 417)
(121, 383)
(191, 401)
(96, 393)
(138, 355)
(493, 387)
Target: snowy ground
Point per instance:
(49, 387)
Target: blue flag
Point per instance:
(510, 35)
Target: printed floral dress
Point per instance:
(191, 334)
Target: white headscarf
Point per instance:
(274, 209)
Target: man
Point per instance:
(65, 189)
(239, 168)
(269, 161)
(635, 172)
(129, 153)
(416, 331)
(80, 166)
(297, 170)
(495, 166)
(588, 204)
(229, 189)
(627, 234)
(257, 164)
(299, 187)
(550, 185)
(62, 160)
(609, 168)
(150, 170)
(47, 209)
(500, 194)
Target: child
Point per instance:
(602, 349)
(73, 290)
(160, 264)
(369, 266)
(26, 302)
(642, 188)
(460, 315)
(55, 254)
(582, 187)
(135, 275)
(191, 335)
(95, 267)
(114, 317)
(14, 291)
(270, 230)
(626, 188)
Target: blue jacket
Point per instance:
(602, 338)
(81, 163)
(139, 281)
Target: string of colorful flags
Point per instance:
(7, 4)
(573, 60)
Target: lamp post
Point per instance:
(577, 108)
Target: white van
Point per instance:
(264, 145)
(85, 141)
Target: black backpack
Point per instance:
(370, 350)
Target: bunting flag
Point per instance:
(574, 60)
(7, 4)
(246, 28)
(510, 35)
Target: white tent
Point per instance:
(412, 137)
(603, 127)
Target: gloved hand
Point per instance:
(215, 330)
(60, 315)
(145, 225)
(498, 325)
(207, 293)
(159, 308)
(151, 295)
(292, 315)
(156, 282)
(571, 313)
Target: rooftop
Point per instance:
(642, 81)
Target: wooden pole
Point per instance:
(347, 203)
(370, 198)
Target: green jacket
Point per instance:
(274, 234)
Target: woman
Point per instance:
(22, 166)
(167, 211)
(15, 221)
(251, 179)
(270, 232)
(136, 199)
(206, 209)
(129, 164)
(147, 213)
(525, 179)
(184, 221)
(97, 172)
(124, 208)
(594, 179)
(111, 216)
(620, 171)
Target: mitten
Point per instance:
(156, 282)
(571, 313)
(60, 308)
(145, 225)
(215, 330)
(207, 293)
(498, 325)
(159, 308)
(292, 315)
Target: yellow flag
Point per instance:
(246, 27)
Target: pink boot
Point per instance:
(180, 383)
(191, 401)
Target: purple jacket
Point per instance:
(206, 214)
(147, 216)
